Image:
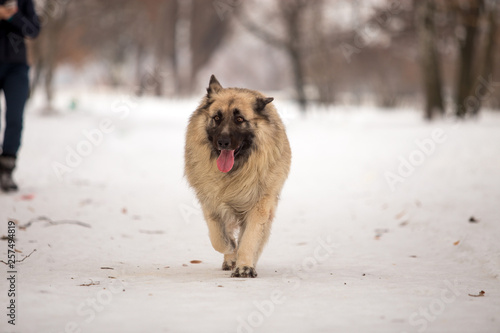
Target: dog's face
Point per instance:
(232, 116)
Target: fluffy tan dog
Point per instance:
(237, 158)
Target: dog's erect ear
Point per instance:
(214, 86)
(261, 103)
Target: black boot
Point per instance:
(7, 166)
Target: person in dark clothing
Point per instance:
(18, 20)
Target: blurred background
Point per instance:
(409, 206)
(437, 56)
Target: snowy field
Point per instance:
(386, 224)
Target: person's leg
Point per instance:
(3, 71)
(16, 90)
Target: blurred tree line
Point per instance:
(440, 54)
(152, 43)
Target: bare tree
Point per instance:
(291, 16)
(46, 49)
(486, 69)
(164, 17)
(431, 69)
(208, 31)
(468, 13)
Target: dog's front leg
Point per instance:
(254, 235)
(219, 238)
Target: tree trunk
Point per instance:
(292, 19)
(164, 36)
(487, 67)
(298, 75)
(431, 71)
(37, 66)
(160, 49)
(208, 31)
(469, 15)
(52, 38)
(183, 47)
(290, 12)
(139, 59)
(47, 50)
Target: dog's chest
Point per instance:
(238, 196)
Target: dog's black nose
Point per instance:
(224, 142)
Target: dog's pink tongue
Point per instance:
(225, 161)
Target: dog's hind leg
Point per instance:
(253, 237)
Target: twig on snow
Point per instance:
(51, 222)
(92, 283)
(21, 259)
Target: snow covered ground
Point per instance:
(373, 232)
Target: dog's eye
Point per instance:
(217, 118)
(240, 120)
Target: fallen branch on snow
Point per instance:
(21, 259)
(51, 222)
(92, 283)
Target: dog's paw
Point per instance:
(228, 265)
(244, 272)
